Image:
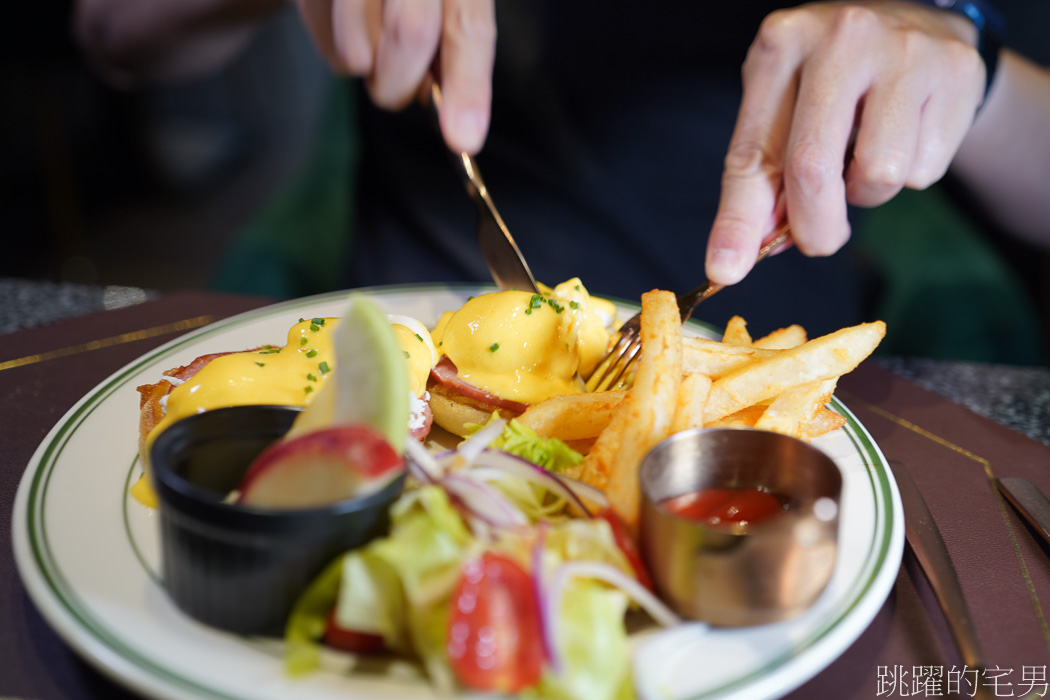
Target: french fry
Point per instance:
(780, 382)
(573, 417)
(783, 338)
(718, 359)
(822, 358)
(791, 411)
(736, 332)
(744, 418)
(595, 467)
(692, 398)
(824, 421)
(649, 405)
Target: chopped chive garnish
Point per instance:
(325, 369)
(308, 388)
(574, 305)
(535, 302)
(303, 340)
(494, 347)
(577, 288)
(301, 319)
(419, 337)
(311, 377)
(311, 353)
(555, 305)
(314, 327)
(406, 354)
(317, 321)
(261, 364)
(271, 351)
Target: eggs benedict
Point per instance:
(289, 375)
(505, 350)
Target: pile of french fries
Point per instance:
(780, 382)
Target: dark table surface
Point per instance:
(957, 426)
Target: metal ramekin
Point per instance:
(775, 570)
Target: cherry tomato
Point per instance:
(732, 507)
(626, 544)
(351, 640)
(494, 638)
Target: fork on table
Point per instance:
(616, 370)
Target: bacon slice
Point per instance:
(186, 372)
(446, 374)
(151, 396)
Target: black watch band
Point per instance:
(991, 30)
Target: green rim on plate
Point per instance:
(82, 623)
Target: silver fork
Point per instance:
(616, 370)
(506, 263)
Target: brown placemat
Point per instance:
(953, 455)
(43, 372)
(951, 452)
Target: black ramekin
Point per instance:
(239, 568)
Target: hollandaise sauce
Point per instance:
(286, 376)
(527, 347)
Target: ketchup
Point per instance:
(730, 508)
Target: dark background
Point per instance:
(156, 187)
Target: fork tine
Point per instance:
(623, 375)
(602, 376)
(627, 376)
(617, 368)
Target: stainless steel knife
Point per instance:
(502, 255)
(1029, 502)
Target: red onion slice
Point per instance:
(484, 502)
(421, 464)
(527, 471)
(539, 584)
(473, 446)
(550, 604)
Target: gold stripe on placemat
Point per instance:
(986, 465)
(129, 337)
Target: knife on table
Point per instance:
(926, 543)
(1029, 502)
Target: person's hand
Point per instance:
(393, 44)
(892, 86)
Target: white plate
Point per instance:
(88, 554)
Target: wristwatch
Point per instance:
(991, 30)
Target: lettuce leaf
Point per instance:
(308, 620)
(524, 442)
(371, 599)
(592, 639)
(399, 586)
